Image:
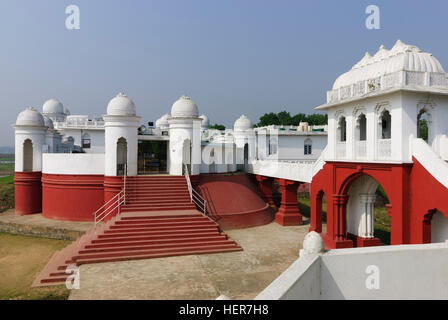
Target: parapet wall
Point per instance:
(387, 272)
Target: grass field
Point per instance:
(21, 260)
(6, 184)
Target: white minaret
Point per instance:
(30, 132)
(185, 137)
(244, 135)
(121, 141)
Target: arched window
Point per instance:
(308, 147)
(122, 156)
(423, 125)
(386, 122)
(27, 155)
(342, 128)
(86, 141)
(361, 127)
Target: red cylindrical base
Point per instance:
(28, 192)
(71, 197)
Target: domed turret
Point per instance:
(402, 57)
(48, 123)
(184, 108)
(121, 105)
(53, 107)
(205, 122)
(30, 117)
(162, 122)
(242, 123)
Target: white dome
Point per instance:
(400, 57)
(184, 108)
(30, 117)
(121, 105)
(205, 123)
(52, 106)
(313, 243)
(48, 123)
(242, 123)
(162, 121)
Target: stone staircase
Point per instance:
(157, 221)
(156, 193)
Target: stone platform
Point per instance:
(37, 226)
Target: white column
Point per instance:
(367, 227)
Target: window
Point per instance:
(385, 125)
(361, 126)
(308, 147)
(86, 141)
(342, 127)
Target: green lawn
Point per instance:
(22, 258)
(6, 192)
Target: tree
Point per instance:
(218, 127)
(268, 119)
(284, 118)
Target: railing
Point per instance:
(195, 197)
(113, 204)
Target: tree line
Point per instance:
(284, 118)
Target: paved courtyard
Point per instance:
(267, 251)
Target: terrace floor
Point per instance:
(267, 251)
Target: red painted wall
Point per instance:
(426, 195)
(71, 197)
(28, 192)
(235, 199)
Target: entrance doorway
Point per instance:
(152, 157)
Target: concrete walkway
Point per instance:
(268, 251)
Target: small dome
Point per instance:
(205, 123)
(242, 123)
(162, 121)
(52, 106)
(313, 243)
(121, 105)
(30, 117)
(48, 123)
(184, 108)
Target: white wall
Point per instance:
(73, 163)
(291, 147)
(403, 272)
(37, 137)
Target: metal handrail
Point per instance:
(115, 202)
(195, 197)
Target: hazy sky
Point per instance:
(230, 56)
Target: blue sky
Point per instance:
(230, 56)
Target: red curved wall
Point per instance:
(71, 197)
(235, 199)
(28, 192)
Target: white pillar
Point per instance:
(367, 224)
